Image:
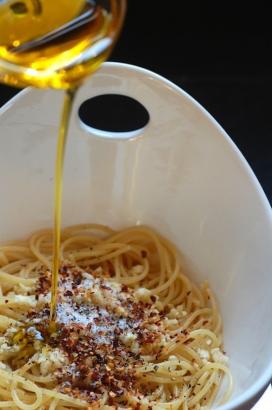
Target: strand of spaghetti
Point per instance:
(100, 259)
(214, 391)
(176, 298)
(7, 403)
(185, 352)
(190, 318)
(53, 404)
(15, 251)
(12, 313)
(173, 289)
(205, 332)
(186, 286)
(28, 385)
(16, 266)
(172, 405)
(22, 370)
(163, 263)
(40, 379)
(166, 284)
(5, 394)
(12, 280)
(218, 366)
(72, 242)
(74, 229)
(107, 252)
(204, 390)
(5, 322)
(30, 270)
(3, 258)
(7, 377)
(198, 299)
(141, 230)
(134, 279)
(185, 405)
(216, 317)
(17, 300)
(65, 398)
(35, 242)
(163, 367)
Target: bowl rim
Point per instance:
(263, 381)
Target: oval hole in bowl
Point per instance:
(114, 116)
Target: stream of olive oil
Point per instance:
(62, 137)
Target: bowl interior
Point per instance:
(182, 175)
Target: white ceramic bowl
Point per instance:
(183, 176)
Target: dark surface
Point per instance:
(106, 112)
(216, 54)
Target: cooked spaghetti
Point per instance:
(132, 330)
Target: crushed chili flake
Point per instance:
(102, 329)
(144, 254)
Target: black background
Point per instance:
(220, 55)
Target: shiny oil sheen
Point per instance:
(54, 43)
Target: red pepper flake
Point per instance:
(99, 361)
(143, 253)
(68, 293)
